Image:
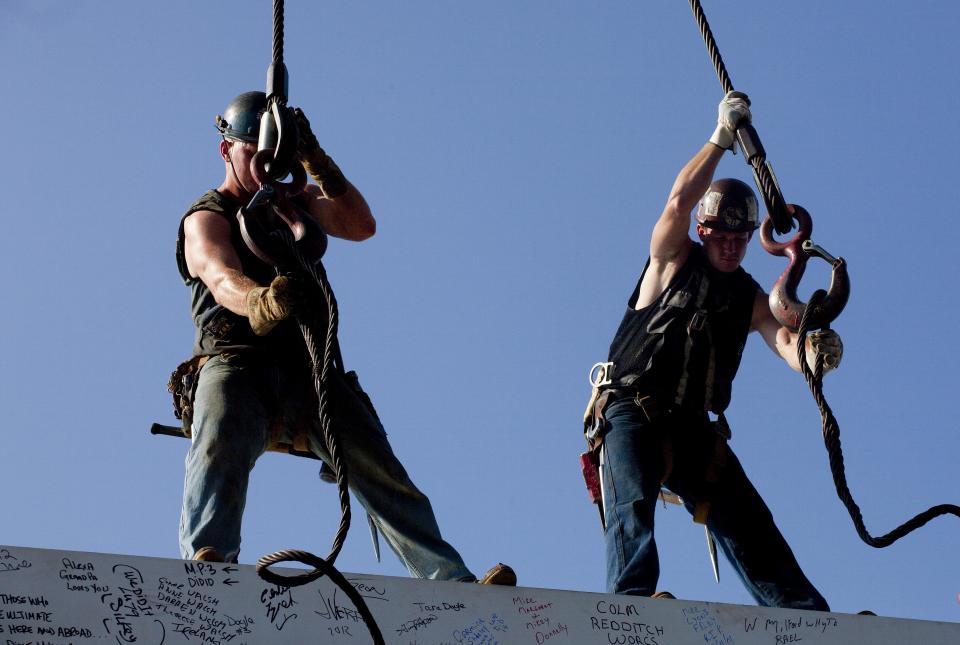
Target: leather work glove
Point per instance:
(267, 306)
(825, 343)
(316, 161)
(733, 109)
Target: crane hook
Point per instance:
(787, 308)
(273, 207)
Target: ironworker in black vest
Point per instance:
(252, 380)
(671, 366)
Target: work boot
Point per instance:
(207, 554)
(664, 594)
(501, 575)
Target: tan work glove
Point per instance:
(733, 110)
(316, 161)
(827, 344)
(267, 306)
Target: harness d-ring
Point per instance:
(787, 308)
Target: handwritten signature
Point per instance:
(10, 563)
(277, 600)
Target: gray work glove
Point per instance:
(267, 306)
(733, 109)
(316, 161)
(825, 343)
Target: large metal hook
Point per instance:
(787, 308)
(271, 208)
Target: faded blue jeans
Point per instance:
(239, 401)
(740, 522)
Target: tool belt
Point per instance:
(183, 386)
(594, 421)
(595, 427)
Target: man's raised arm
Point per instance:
(334, 202)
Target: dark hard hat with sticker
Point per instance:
(728, 205)
(241, 118)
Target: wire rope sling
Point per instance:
(282, 235)
(818, 312)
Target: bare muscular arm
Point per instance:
(211, 257)
(347, 217)
(670, 243)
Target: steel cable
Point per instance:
(323, 363)
(711, 44)
(773, 197)
(324, 568)
(278, 32)
(831, 439)
(831, 429)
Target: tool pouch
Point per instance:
(183, 385)
(590, 467)
(593, 430)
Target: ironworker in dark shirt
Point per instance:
(670, 370)
(254, 384)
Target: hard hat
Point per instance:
(728, 205)
(241, 118)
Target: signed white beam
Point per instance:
(63, 598)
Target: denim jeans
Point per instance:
(634, 465)
(239, 402)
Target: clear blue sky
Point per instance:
(516, 155)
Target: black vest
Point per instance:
(218, 328)
(685, 347)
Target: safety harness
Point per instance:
(703, 317)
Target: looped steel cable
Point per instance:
(323, 365)
(831, 439)
(321, 568)
(772, 196)
(324, 361)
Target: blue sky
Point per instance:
(516, 155)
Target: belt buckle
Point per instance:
(600, 374)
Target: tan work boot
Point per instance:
(501, 575)
(664, 594)
(207, 554)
